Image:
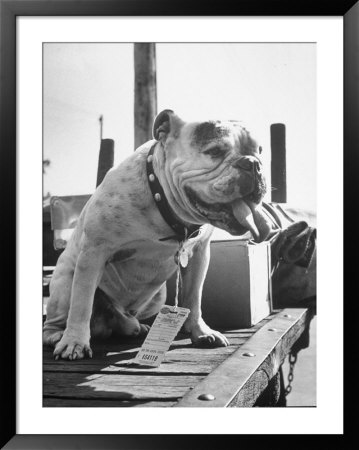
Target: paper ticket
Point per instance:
(161, 335)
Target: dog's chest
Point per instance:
(139, 268)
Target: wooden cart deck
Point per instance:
(235, 375)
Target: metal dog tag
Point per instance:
(181, 257)
(161, 335)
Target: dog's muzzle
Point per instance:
(247, 210)
(250, 163)
(254, 187)
(243, 213)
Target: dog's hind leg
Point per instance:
(109, 318)
(129, 325)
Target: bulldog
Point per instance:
(154, 213)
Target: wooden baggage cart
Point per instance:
(244, 374)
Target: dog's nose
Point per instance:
(250, 163)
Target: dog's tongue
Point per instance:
(251, 216)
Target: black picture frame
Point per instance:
(9, 10)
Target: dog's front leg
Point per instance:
(75, 342)
(193, 277)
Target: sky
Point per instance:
(259, 84)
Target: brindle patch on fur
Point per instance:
(99, 241)
(208, 131)
(107, 221)
(144, 209)
(123, 226)
(137, 201)
(118, 211)
(248, 146)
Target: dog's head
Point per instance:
(214, 171)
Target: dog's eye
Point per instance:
(215, 152)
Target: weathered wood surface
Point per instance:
(145, 107)
(106, 403)
(106, 159)
(119, 386)
(246, 373)
(111, 378)
(278, 163)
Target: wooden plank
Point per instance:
(188, 366)
(240, 379)
(123, 387)
(127, 356)
(104, 403)
(114, 380)
(181, 358)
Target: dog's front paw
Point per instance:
(203, 336)
(72, 346)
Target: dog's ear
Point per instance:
(165, 123)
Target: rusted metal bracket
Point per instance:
(241, 378)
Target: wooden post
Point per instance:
(145, 91)
(106, 155)
(278, 163)
(105, 159)
(101, 126)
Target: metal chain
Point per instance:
(292, 360)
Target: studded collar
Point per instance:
(182, 232)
